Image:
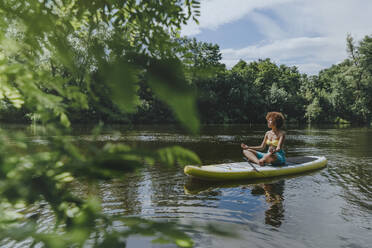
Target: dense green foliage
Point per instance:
(342, 93)
(71, 55)
(247, 91)
(242, 94)
(58, 60)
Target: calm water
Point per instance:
(327, 208)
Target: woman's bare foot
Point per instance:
(261, 162)
(244, 146)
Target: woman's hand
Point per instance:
(272, 150)
(244, 146)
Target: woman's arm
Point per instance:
(280, 143)
(261, 147)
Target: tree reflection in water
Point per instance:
(274, 197)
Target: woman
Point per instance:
(274, 138)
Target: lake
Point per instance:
(331, 207)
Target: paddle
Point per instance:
(254, 168)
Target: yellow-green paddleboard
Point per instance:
(244, 170)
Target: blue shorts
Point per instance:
(280, 161)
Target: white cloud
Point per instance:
(327, 18)
(215, 13)
(309, 68)
(267, 26)
(308, 53)
(308, 34)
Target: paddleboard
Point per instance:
(243, 170)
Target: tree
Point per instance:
(365, 53)
(201, 59)
(313, 111)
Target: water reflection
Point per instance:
(274, 197)
(271, 189)
(121, 196)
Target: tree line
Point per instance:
(241, 94)
(247, 91)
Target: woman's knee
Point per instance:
(245, 152)
(251, 151)
(248, 152)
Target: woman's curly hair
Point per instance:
(277, 117)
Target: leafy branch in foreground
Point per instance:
(48, 176)
(53, 54)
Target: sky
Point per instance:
(309, 34)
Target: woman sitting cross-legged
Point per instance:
(274, 139)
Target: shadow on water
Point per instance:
(273, 193)
(274, 197)
(271, 188)
(196, 186)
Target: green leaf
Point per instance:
(166, 78)
(184, 242)
(12, 95)
(122, 78)
(177, 154)
(64, 120)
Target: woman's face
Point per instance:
(270, 123)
